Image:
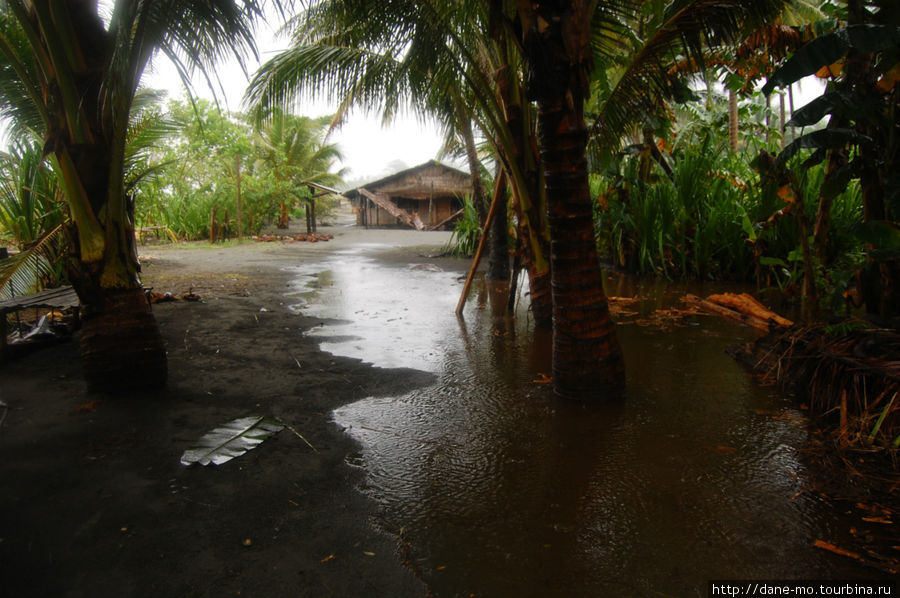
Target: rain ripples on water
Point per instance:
(500, 489)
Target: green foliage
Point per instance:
(689, 225)
(466, 232)
(826, 50)
(209, 152)
(34, 268)
(30, 204)
(31, 217)
(712, 219)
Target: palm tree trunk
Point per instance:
(527, 197)
(733, 120)
(587, 359)
(121, 344)
(498, 239)
(478, 192)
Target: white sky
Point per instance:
(370, 151)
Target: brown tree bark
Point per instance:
(498, 235)
(121, 344)
(587, 358)
(528, 200)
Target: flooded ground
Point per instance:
(499, 489)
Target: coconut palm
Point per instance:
(293, 149)
(71, 73)
(558, 38)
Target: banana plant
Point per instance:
(862, 60)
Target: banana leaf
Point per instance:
(231, 440)
(830, 48)
(823, 139)
(836, 102)
(882, 235)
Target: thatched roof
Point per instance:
(411, 182)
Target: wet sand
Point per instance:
(94, 501)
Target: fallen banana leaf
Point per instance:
(231, 440)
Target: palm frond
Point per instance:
(365, 77)
(20, 95)
(691, 27)
(24, 272)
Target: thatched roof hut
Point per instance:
(427, 196)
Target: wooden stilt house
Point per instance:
(425, 197)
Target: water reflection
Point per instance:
(502, 490)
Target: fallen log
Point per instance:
(746, 311)
(750, 305)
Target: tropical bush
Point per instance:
(211, 153)
(713, 217)
(466, 233)
(687, 224)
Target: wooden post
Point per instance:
(212, 225)
(240, 226)
(481, 243)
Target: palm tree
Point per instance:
(292, 148)
(557, 40)
(31, 215)
(72, 75)
(587, 358)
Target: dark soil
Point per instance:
(94, 501)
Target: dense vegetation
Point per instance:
(210, 153)
(185, 162)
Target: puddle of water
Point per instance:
(502, 490)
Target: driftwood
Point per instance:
(741, 308)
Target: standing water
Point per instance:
(497, 488)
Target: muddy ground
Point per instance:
(94, 501)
